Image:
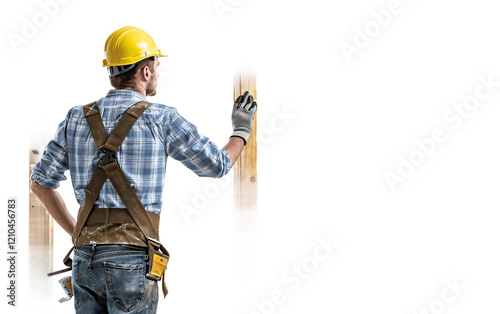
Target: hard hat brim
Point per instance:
(135, 59)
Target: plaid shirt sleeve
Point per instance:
(49, 171)
(185, 144)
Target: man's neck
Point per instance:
(137, 89)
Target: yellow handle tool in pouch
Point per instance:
(159, 264)
(158, 258)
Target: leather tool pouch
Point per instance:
(157, 260)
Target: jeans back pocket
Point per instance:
(125, 284)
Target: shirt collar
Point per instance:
(125, 92)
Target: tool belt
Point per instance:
(131, 225)
(113, 226)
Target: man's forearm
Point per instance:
(54, 204)
(234, 148)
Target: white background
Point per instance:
(333, 130)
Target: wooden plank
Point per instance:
(246, 166)
(245, 196)
(41, 241)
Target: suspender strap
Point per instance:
(98, 131)
(121, 130)
(115, 139)
(101, 138)
(91, 194)
(93, 117)
(130, 200)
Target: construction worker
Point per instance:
(116, 150)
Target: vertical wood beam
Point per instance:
(245, 172)
(245, 195)
(41, 241)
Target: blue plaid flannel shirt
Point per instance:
(160, 132)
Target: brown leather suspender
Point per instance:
(108, 167)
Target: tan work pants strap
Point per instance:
(130, 200)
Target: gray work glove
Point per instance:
(243, 111)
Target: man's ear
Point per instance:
(147, 72)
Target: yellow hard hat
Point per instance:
(129, 45)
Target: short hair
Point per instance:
(126, 79)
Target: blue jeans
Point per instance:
(111, 278)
